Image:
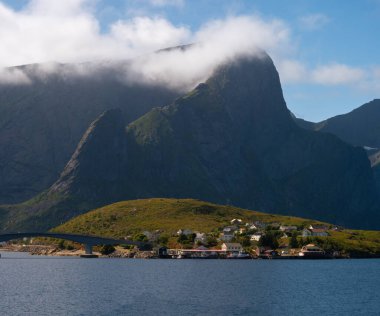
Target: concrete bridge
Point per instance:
(87, 241)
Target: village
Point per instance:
(237, 240)
(248, 240)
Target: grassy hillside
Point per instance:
(168, 215)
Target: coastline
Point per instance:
(53, 251)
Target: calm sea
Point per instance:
(31, 285)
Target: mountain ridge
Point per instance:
(230, 140)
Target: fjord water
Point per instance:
(36, 285)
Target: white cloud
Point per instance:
(146, 34)
(218, 41)
(69, 32)
(12, 76)
(314, 21)
(292, 71)
(337, 74)
(162, 3)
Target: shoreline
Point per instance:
(121, 253)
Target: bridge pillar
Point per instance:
(88, 249)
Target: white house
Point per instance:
(237, 221)
(256, 237)
(201, 237)
(232, 247)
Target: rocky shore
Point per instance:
(50, 250)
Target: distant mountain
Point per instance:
(360, 127)
(41, 122)
(230, 140)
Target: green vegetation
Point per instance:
(166, 216)
(128, 218)
(107, 249)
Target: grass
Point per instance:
(167, 215)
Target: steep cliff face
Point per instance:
(233, 139)
(42, 122)
(230, 140)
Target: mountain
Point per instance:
(360, 127)
(230, 140)
(42, 120)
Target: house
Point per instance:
(253, 227)
(260, 225)
(288, 229)
(230, 229)
(314, 233)
(306, 233)
(152, 236)
(185, 232)
(242, 230)
(324, 227)
(200, 237)
(226, 236)
(231, 247)
(319, 232)
(256, 237)
(237, 221)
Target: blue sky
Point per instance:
(331, 61)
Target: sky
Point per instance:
(327, 52)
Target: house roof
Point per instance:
(319, 230)
(232, 244)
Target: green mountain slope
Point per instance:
(230, 140)
(42, 122)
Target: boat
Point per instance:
(239, 255)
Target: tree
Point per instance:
(211, 241)
(269, 240)
(163, 239)
(61, 244)
(107, 249)
(182, 239)
(139, 237)
(294, 241)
